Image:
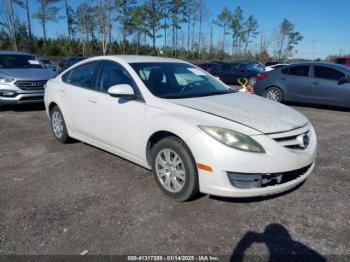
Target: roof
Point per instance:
(315, 63)
(3, 52)
(141, 59)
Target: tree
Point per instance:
(287, 33)
(8, 24)
(12, 21)
(176, 11)
(153, 18)
(223, 20)
(139, 25)
(85, 22)
(24, 4)
(70, 20)
(124, 10)
(165, 25)
(189, 15)
(47, 12)
(103, 22)
(236, 28)
(250, 31)
(203, 14)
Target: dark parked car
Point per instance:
(47, 63)
(317, 83)
(68, 62)
(257, 65)
(229, 73)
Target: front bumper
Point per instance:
(25, 98)
(277, 160)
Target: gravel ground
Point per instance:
(64, 199)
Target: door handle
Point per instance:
(283, 78)
(92, 100)
(315, 83)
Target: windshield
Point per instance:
(176, 80)
(19, 61)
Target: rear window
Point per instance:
(82, 76)
(299, 70)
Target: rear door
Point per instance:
(78, 92)
(327, 89)
(297, 82)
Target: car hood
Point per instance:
(255, 112)
(28, 73)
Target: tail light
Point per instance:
(261, 76)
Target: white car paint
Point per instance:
(273, 67)
(125, 128)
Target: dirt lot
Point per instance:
(63, 199)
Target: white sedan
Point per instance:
(274, 67)
(194, 132)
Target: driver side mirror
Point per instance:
(122, 90)
(343, 80)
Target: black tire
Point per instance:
(64, 137)
(190, 187)
(276, 90)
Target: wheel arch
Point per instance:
(156, 137)
(51, 106)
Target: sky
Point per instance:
(323, 23)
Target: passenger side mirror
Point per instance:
(343, 80)
(242, 69)
(122, 90)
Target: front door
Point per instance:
(78, 91)
(327, 87)
(118, 121)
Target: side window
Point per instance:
(82, 76)
(299, 70)
(328, 73)
(112, 74)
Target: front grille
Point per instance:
(31, 85)
(243, 180)
(292, 140)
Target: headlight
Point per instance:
(5, 79)
(233, 139)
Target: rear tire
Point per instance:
(174, 169)
(274, 93)
(58, 126)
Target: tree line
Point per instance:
(179, 28)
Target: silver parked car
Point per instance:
(316, 83)
(22, 78)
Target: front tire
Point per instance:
(174, 169)
(58, 125)
(274, 93)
